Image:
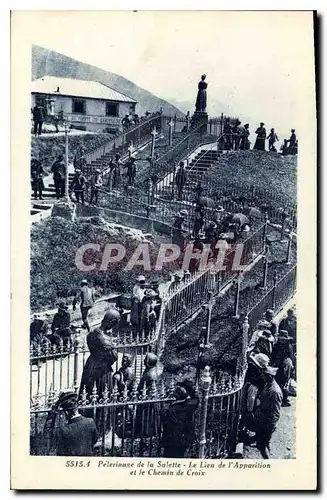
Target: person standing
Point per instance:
(78, 185)
(293, 143)
(178, 421)
(236, 135)
(198, 221)
(131, 171)
(76, 435)
(245, 143)
(36, 178)
(38, 118)
(59, 176)
(87, 299)
(180, 179)
(289, 324)
(96, 184)
(272, 138)
(178, 230)
(261, 137)
(267, 414)
(60, 327)
(98, 367)
(228, 134)
(136, 306)
(283, 358)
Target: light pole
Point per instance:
(66, 164)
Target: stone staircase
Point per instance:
(195, 171)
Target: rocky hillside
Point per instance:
(48, 62)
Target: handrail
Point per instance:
(102, 149)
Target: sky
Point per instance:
(259, 65)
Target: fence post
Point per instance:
(282, 235)
(170, 125)
(245, 340)
(209, 307)
(205, 387)
(76, 353)
(265, 268)
(274, 291)
(237, 295)
(265, 229)
(289, 247)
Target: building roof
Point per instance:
(77, 88)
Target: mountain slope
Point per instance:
(48, 62)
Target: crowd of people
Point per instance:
(236, 137)
(271, 368)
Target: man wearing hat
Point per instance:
(158, 300)
(59, 176)
(236, 134)
(131, 171)
(136, 306)
(78, 185)
(86, 299)
(261, 137)
(75, 435)
(148, 315)
(178, 230)
(272, 138)
(267, 414)
(210, 235)
(175, 284)
(96, 184)
(264, 343)
(61, 325)
(180, 179)
(283, 358)
(178, 421)
(97, 369)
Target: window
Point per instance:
(79, 106)
(111, 109)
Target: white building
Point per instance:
(84, 104)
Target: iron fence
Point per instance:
(130, 422)
(275, 298)
(136, 134)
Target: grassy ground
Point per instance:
(48, 148)
(262, 169)
(181, 350)
(54, 243)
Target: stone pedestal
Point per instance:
(64, 209)
(200, 117)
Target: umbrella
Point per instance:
(204, 201)
(253, 212)
(240, 219)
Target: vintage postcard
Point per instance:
(163, 250)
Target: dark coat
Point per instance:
(178, 423)
(77, 437)
(97, 369)
(59, 170)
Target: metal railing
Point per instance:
(275, 298)
(137, 134)
(130, 421)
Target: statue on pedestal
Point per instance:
(201, 98)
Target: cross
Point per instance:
(188, 121)
(130, 149)
(170, 125)
(154, 133)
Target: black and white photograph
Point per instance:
(163, 198)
